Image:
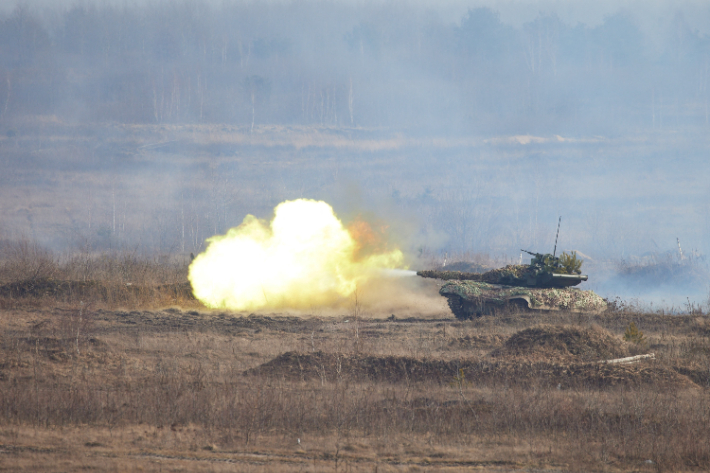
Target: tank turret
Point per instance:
(544, 271)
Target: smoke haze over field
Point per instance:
(480, 68)
(468, 127)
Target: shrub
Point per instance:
(634, 335)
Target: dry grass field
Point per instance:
(108, 364)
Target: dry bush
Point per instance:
(33, 276)
(126, 268)
(26, 260)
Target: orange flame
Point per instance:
(368, 241)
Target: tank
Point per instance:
(544, 284)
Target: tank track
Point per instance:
(457, 307)
(466, 310)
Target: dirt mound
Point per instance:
(699, 375)
(330, 367)
(562, 343)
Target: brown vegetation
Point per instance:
(97, 383)
(32, 275)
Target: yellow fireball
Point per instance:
(303, 258)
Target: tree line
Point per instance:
(346, 65)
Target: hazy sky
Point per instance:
(514, 12)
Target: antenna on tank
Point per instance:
(557, 236)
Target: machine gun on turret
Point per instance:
(542, 260)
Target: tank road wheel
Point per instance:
(517, 306)
(462, 308)
(457, 307)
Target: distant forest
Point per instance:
(346, 65)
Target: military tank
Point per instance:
(544, 284)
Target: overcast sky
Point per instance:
(514, 12)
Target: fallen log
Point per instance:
(630, 359)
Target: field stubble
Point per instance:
(144, 382)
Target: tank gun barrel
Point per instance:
(450, 275)
(531, 253)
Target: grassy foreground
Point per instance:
(107, 364)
